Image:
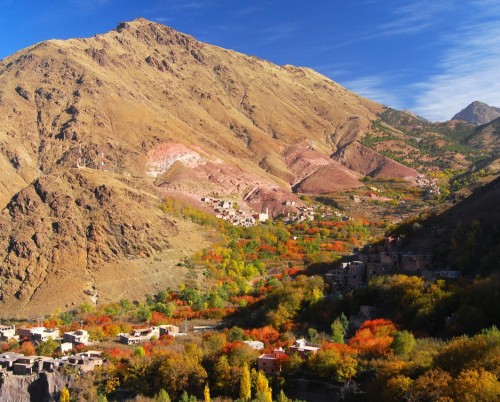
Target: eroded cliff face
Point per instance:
(43, 387)
(58, 232)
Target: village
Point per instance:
(12, 363)
(357, 269)
(229, 211)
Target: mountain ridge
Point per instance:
(478, 113)
(146, 110)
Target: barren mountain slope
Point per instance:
(57, 234)
(145, 110)
(133, 90)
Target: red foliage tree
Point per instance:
(374, 337)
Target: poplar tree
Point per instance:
(245, 384)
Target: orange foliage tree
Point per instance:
(374, 337)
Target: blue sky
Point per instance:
(432, 57)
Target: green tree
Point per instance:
(338, 331)
(140, 352)
(187, 398)
(162, 396)
(48, 347)
(403, 343)
(293, 365)
(282, 397)
(313, 334)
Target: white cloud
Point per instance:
(468, 71)
(374, 88)
(414, 17)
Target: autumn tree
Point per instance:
(334, 364)
(433, 385)
(374, 337)
(476, 385)
(206, 393)
(263, 390)
(65, 396)
(222, 376)
(396, 388)
(245, 384)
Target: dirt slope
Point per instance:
(144, 110)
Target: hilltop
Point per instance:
(478, 113)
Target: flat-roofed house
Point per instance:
(78, 337)
(270, 363)
(8, 332)
(302, 348)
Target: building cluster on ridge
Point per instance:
(359, 268)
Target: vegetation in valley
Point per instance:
(434, 339)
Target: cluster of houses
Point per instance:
(142, 335)
(19, 364)
(271, 363)
(226, 210)
(303, 214)
(430, 185)
(38, 335)
(25, 365)
(361, 267)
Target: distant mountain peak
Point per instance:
(478, 113)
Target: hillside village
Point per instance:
(387, 259)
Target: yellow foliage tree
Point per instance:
(64, 397)
(245, 384)
(206, 393)
(476, 385)
(263, 390)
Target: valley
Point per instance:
(151, 181)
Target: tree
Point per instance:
(187, 398)
(313, 334)
(476, 385)
(263, 390)
(283, 398)
(48, 347)
(374, 337)
(139, 352)
(293, 365)
(396, 388)
(245, 384)
(332, 364)
(64, 397)
(338, 330)
(206, 393)
(162, 396)
(222, 374)
(433, 385)
(403, 343)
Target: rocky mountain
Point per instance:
(95, 131)
(478, 113)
